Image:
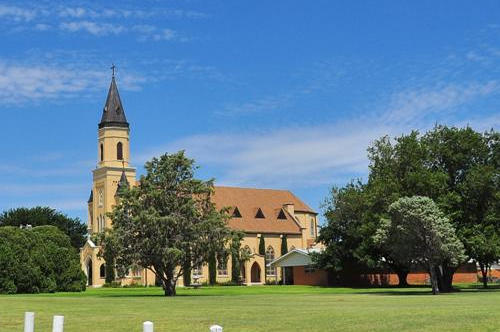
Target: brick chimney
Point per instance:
(290, 208)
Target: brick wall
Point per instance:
(316, 278)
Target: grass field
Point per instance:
(259, 308)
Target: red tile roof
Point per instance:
(270, 201)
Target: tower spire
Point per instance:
(113, 114)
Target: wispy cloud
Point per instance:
(97, 29)
(302, 156)
(18, 14)
(21, 82)
(96, 20)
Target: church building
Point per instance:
(267, 213)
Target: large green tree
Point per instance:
(457, 167)
(38, 259)
(40, 216)
(347, 233)
(418, 229)
(166, 218)
(470, 193)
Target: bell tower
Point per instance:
(113, 169)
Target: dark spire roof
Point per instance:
(91, 198)
(113, 114)
(123, 183)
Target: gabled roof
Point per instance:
(249, 200)
(113, 114)
(295, 257)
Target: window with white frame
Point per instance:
(313, 228)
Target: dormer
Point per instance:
(259, 214)
(236, 213)
(281, 215)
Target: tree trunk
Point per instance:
(484, 273)
(169, 284)
(402, 278)
(434, 280)
(446, 278)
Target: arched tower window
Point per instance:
(270, 271)
(102, 152)
(119, 151)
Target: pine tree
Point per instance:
(284, 245)
(262, 246)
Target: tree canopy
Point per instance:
(167, 218)
(417, 229)
(40, 216)
(458, 168)
(39, 259)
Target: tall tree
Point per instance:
(41, 216)
(347, 233)
(461, 154)
(236, 256)
(284, 244)
(262, 245)
(167, 217)
(418, 229)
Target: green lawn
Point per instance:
(259, 308)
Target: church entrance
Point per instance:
(89, 272)
(288, 275)
(255, 272)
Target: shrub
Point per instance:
(36, 260)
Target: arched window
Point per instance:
(313, 233)
(119, 151)
(101, 150)
(100, 198)
(270, 271)
(102, 271)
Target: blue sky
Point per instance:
(274, 94)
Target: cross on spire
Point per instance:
(113, 67)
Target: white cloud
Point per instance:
(313, 155)
(20, 82)
(17, 13)
(94, 20)
(412, 105)
(97, 29)
(165, 34)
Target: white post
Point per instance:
(29, 322)
(58, 324)
(147, 326)
(215, 328)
